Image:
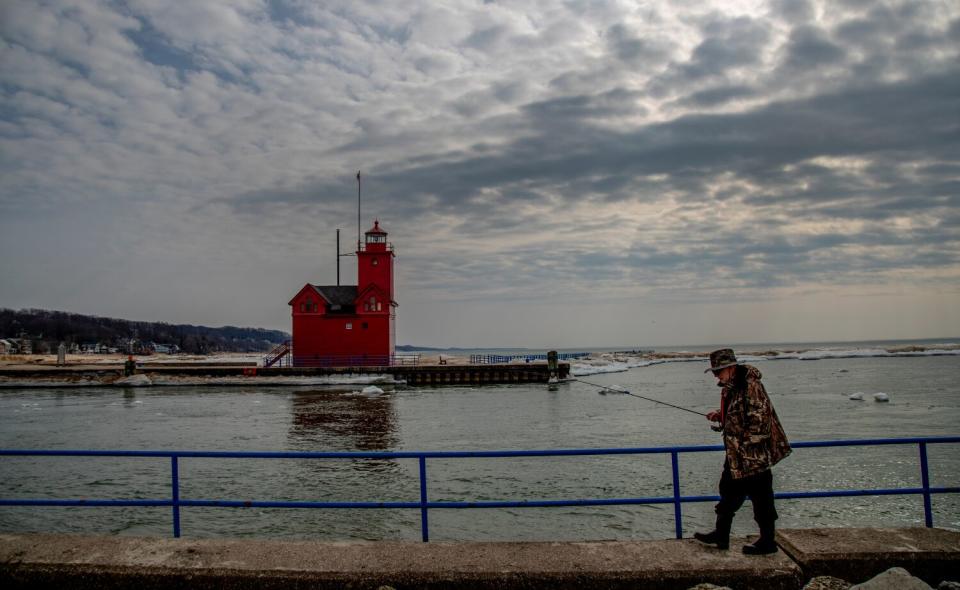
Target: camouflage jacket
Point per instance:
(752, 435)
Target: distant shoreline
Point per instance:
(109, 367)
(756, 352)
(784, 346)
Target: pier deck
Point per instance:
(60, 561)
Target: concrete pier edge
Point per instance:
(931, 554)
(56, 561)
(22, 377)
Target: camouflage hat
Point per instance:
(721, 359)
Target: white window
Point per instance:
(348, 326)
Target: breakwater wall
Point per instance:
(854, 555)
(411, 374)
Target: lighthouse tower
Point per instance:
(375, 288)
(375, 266)
(349, 325)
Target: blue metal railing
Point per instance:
(175, 502)
(499, 359)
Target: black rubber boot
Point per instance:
(765, 545)
(720, 536)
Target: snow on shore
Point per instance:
(604, 363)
(616, 362)
(160, 380)
(253, 358)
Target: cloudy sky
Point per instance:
(569, 174)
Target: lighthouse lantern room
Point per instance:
(349, 325)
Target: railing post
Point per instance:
(925, 479)
(677, 516)
(175, 494)
(424, 528)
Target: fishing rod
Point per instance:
(649, 399)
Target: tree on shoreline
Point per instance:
(46, 329)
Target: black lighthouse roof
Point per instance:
(337, 294)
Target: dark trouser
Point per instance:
(733, 492)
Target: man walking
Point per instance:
(754, 442)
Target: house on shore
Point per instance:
(16, 346)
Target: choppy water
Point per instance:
(811, 399)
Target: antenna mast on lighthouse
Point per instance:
(358, 232)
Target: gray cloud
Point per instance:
(811, 47)
(794, 11)
(727, 44)
(635, 50)
(592, 151)
(755, 146)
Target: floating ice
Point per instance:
(603, 365)
(857, 397)
(582, 370)
(615, 362)
(881, 397)
(134, 381)
(371, 390)
(278, 380)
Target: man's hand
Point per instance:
(713, 416)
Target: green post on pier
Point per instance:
(553, 367)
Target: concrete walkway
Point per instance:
(63, 561)
(67, 561)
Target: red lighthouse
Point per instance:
(349, 325)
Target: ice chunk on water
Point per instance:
(881, 397)
(134, 381)
(371, 390)
(858, 397)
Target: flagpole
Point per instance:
(358, 210)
